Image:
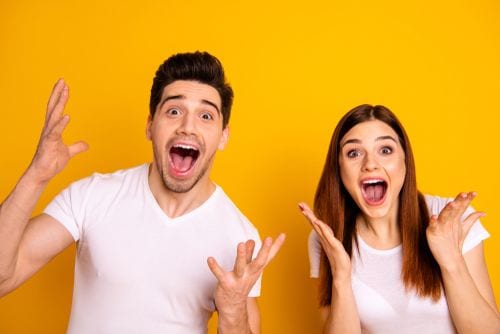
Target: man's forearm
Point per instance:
(15, 213)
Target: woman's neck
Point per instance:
(379, 232)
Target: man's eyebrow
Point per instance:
(211, 103)
(182, 97)
(171, 97)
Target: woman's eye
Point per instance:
(207, 116)
(353, 154)
(386, 150)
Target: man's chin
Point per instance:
(179, 187)
(182, 186)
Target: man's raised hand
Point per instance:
(52, 155)
(234, 286)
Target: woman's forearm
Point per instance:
(470, 311)
(342, 315)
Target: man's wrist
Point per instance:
(35, 179)
(233, 318)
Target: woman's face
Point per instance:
(372, 167)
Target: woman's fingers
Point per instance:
(470, 220)
(325, 233)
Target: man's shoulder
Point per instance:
(226, 207)
(116, 177)
(107, 184)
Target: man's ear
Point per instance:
(148, 127)
(224, 138)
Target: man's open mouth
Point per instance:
(183, 157)
(374, 190)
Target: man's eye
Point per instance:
(207, 116)
(353, 154)
(173, 112)
(386, 150)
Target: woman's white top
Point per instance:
(383, 304)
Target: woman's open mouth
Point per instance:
(374, 190)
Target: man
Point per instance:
(144, 234)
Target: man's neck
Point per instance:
(176, 204)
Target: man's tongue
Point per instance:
(374, 192)
(182, 163)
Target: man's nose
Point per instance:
(187, 125)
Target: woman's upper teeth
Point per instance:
(372, 181)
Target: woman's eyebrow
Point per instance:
(357, 141)
(350, 141)
(386, 137)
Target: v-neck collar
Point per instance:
(150, 198)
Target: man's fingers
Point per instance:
(58, 128)
(241, 259)
(250, 245)
(77, 148)
(261, 258)
(54, 96)
(276, 246)
(56, 112)
(215, 268)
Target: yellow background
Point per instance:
(296, 68)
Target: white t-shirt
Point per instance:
(137, 270)
(383, 304)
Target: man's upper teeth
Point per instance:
(187, 147)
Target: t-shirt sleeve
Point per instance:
(66, 208)
(476, 234)
(314, 250)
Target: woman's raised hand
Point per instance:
(446, 232)
(340, 261)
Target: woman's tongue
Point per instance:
(374, 192)
(182, 163)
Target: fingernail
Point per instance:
(301, 207)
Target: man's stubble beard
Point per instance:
(182, 186)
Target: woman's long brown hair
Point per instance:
(334, 206)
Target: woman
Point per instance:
(391, 260)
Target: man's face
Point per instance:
(186, 131)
